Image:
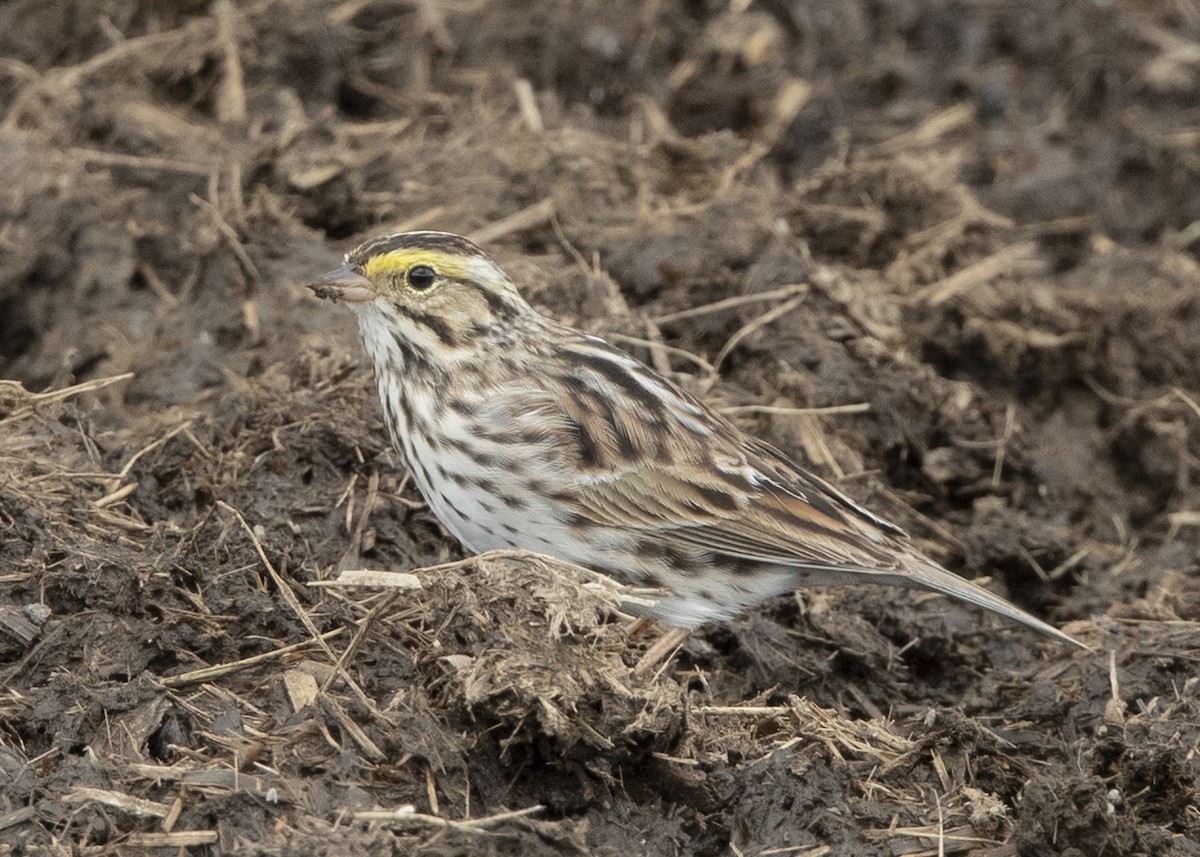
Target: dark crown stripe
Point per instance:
(440, 241)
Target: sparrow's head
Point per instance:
(435, 291)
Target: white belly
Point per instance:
(492, 507)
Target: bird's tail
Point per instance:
(919, 572)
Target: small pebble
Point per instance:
(37, 613)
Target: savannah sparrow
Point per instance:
(524, 433)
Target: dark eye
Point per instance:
(421, 277)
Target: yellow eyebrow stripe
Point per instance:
(399, 261)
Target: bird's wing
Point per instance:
(737, 514)
(689, 510)
(636, 452)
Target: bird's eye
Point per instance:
(421, 277)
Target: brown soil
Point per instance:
(990, 213)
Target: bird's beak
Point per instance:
(347, 284)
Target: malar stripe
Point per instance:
(408, 354)
(438, 326)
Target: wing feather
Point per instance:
(631, 450)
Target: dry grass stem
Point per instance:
(730, 303)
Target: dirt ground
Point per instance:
(963, 239)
